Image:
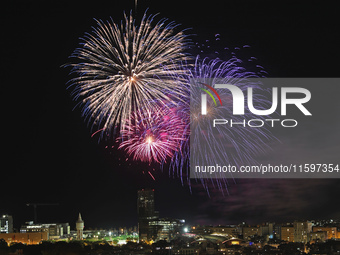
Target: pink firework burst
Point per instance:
(153, 138)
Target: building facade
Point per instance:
(146, 213)
(54, 230)
(249, 232)
(25, 238)
(6, 224)
(301, 231)
(166, 229)
(150, 227)
(287, 233)
(318, 236)
(332, 232)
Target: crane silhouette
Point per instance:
(35, 208)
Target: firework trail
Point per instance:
(122, 68)
(154, 138)
(239, 144)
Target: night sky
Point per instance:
(50, 156)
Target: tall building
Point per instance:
(301, 231)
(267, 229)
(277, 231)
(287, 233)
(80, 227)
(146, 203)
(6, 224)
(146, 213)
(150, 227)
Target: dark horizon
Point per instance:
(54, 159)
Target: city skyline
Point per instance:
(154, 235)
(152, 229)
(145, 212)
(148, 221)
(53, 157)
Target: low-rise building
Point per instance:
(249, 232)
(332, 232)
(166, 228)
(318, 236)
(227, 231)
(54, 230)
(25, 238)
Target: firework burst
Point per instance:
(153, 138)
(239, 145)
(122, 68)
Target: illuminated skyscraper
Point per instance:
(150, 226)
(146, 203)
(79, 227)
(146, 213)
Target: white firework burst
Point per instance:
(122, 68)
